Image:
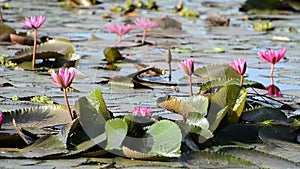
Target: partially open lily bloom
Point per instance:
(145, 23)
(274, 91)
(239, 66)
(120, 29)
(187, 66)
(34, 22)
(63, 78)
(272, 56)
(1, 119)
(142, 111)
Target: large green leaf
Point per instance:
(216, 71)
(55, 48)
(116, 130)
(93, 113)
(163, 139)
(229, 101)
(261, 114)
(183, 106)
(112, 54)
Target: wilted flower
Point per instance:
(239, 66)
(34, 22)
(272, 56)
(145, 24)
(142, 111)
(1, 119)
(274, 91)
(120, 29)
(187, 66)
(63, 78)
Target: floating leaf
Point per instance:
(48, 145)
(216, 71)
(260, 158)
(11, 139)
(112, 54)
(5, 32)
(260, 114)
(116, 130)
(54, 48)
(213, 50)
(214, 160)
(128, 163)
(37, 117)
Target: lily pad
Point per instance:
(216, 71)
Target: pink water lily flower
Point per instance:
(187, 66)
(120, 29)
(142, 111)
(274, 91)
(1, 119)
(239, 66)
(145, 24)
(34, 22)
(63, 78)
(272, 56)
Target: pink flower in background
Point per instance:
(63, 78)
(144, 24)
(1, 119)
(272, 56)
(34, 22)
(239, 66)
(274, 91)
(142, 111)
(120, 29)
(187, 66)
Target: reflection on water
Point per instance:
(273, 89)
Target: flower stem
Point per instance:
(170, 72)
(191, 89)
(272, 70)
(67, 103)
(119, 39)
(34, 48)
(1, 17)
(242, 80)
(144, 36)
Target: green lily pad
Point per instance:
(116, 130)
(5, 32)
(217, 71)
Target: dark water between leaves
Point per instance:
(85, 27)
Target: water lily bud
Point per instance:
(169, 56)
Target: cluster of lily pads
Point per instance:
(222, 113)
